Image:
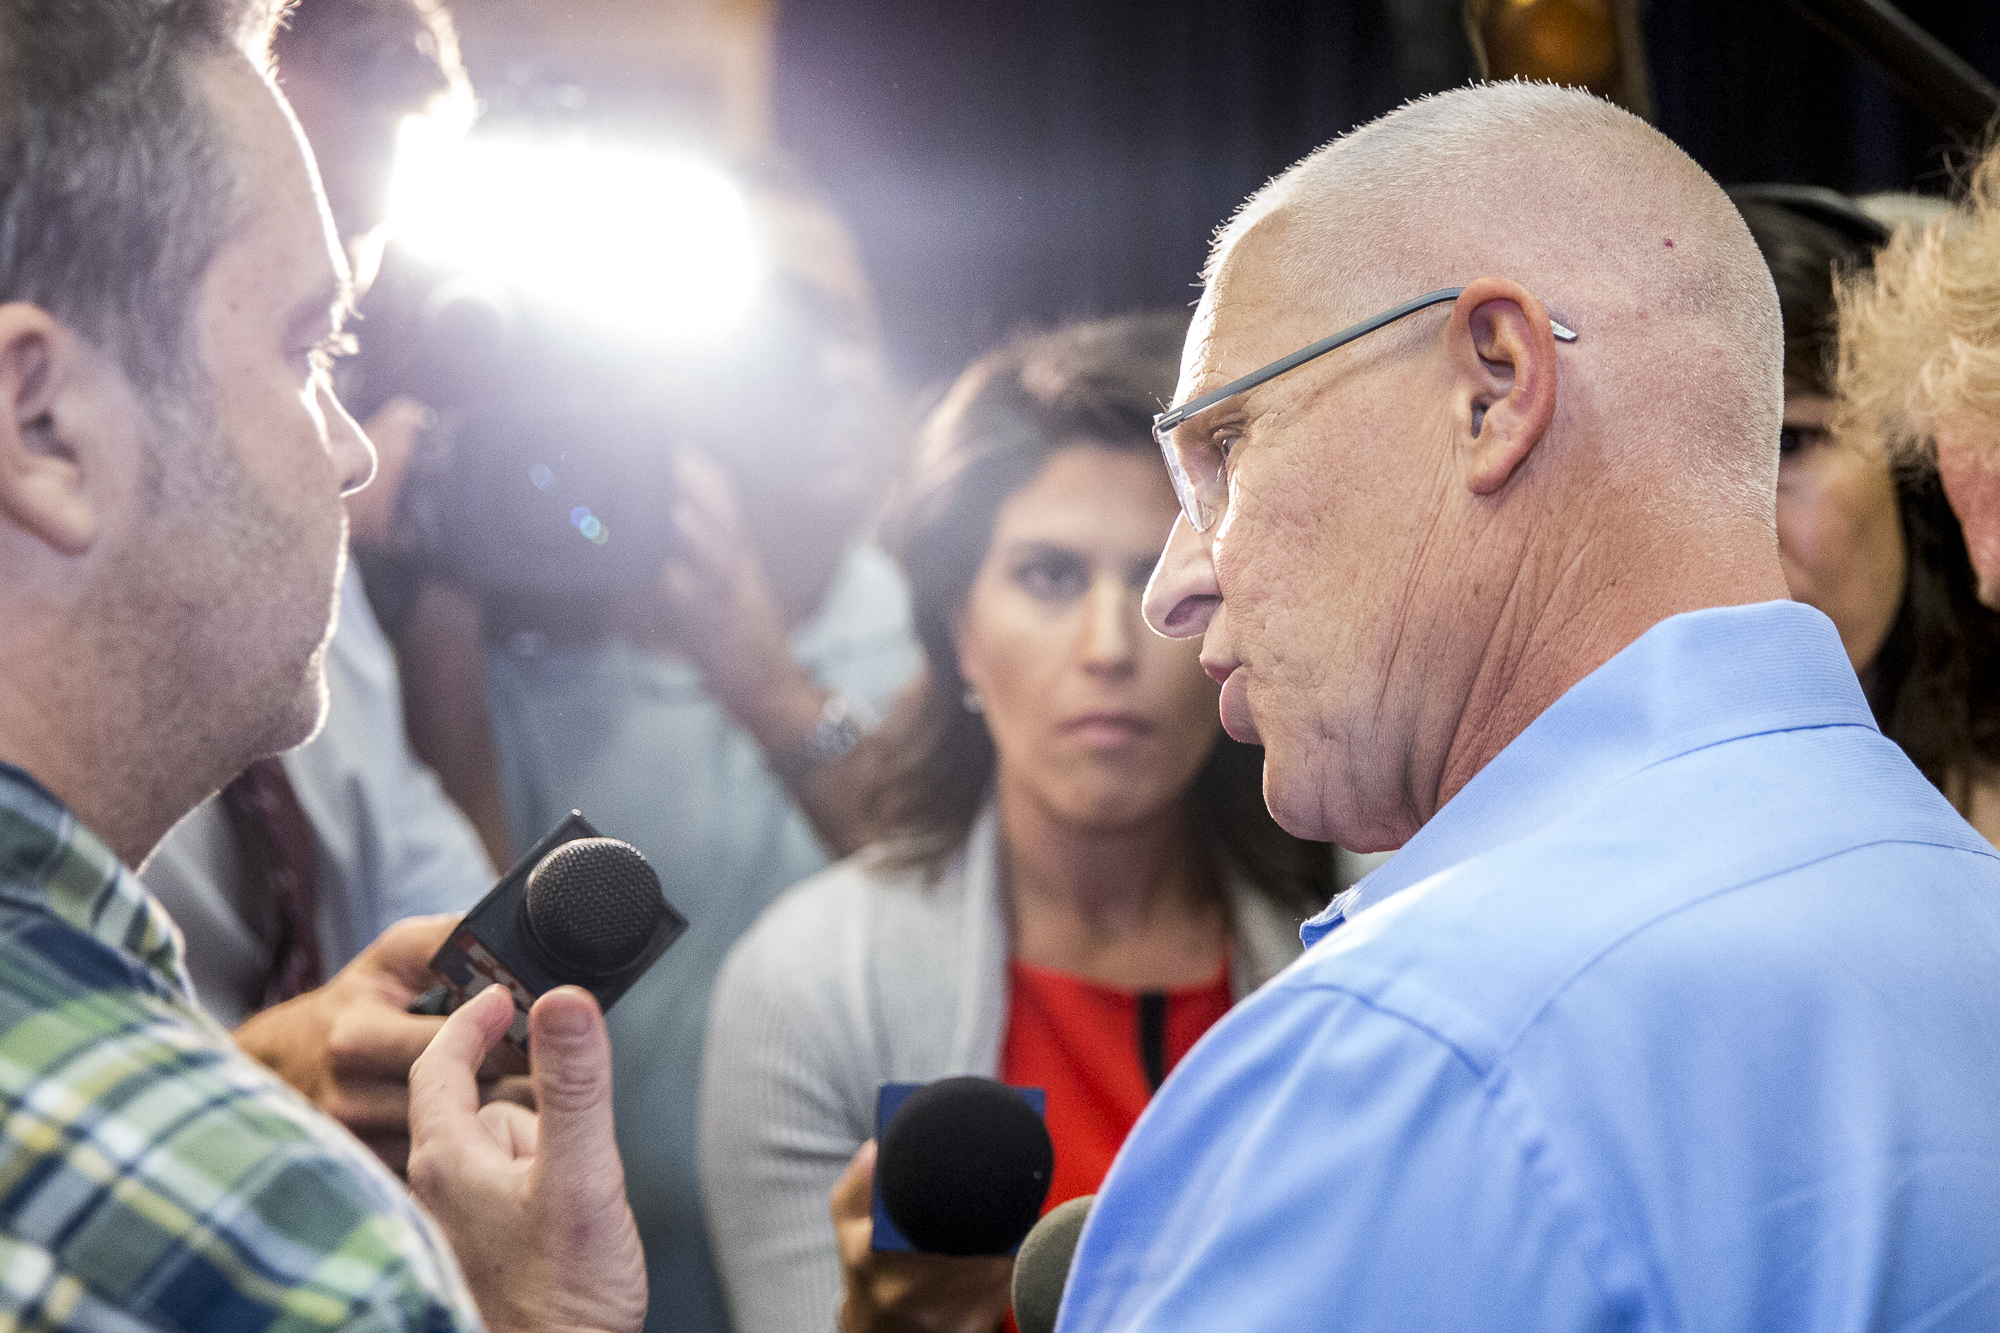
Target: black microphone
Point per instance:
(963, 1167)
(578, 910)
(1041, 1270)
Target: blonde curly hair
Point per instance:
(1920, 333)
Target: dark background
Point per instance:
(1013, 162)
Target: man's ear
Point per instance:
(42, 490)
(1505, 353)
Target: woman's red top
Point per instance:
(1099, 1051)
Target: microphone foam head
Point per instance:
(1041, 1270)
(594, 904)
(964, 1166)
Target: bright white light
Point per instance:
(659, 244)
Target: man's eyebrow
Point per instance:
(329, 308)
(1212, 379)
(1215, 414)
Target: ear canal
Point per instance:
(42, 439)
(1478, 419)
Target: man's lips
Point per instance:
(1235, 703)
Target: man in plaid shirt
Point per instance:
(149, 1172)
(171, 466)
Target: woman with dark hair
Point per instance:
(1072, 874)
(1866, 535)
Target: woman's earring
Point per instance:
(972, 701)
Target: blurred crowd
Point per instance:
(888, 722)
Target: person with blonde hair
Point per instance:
(1920, 358)
(1865, 533)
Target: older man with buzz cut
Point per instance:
(172, 460)
(1679, 1007)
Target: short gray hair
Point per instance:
(116, 188)
(1584, 203)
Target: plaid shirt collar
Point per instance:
(52, 864)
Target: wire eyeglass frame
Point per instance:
(1199, 508)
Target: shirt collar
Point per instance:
(52, 864)
(1691, 681)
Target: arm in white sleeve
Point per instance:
(787, 1098)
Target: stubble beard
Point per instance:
(221, 615)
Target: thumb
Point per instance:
(404, 950)
(853, 1195)
(570, 1055)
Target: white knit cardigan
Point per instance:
(854, 978)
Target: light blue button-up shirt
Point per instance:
(1683, 1014)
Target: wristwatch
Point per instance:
(834, 736)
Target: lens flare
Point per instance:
(657, 243)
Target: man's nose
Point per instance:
(1182, 595)
(347, 444)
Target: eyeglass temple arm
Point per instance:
(1196, 406)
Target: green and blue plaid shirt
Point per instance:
(151, 1177)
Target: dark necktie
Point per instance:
(280, 867)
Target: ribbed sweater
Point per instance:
(857, 977)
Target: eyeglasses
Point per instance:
(1197, 465)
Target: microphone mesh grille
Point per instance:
(964, 1167)
(594, 904)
